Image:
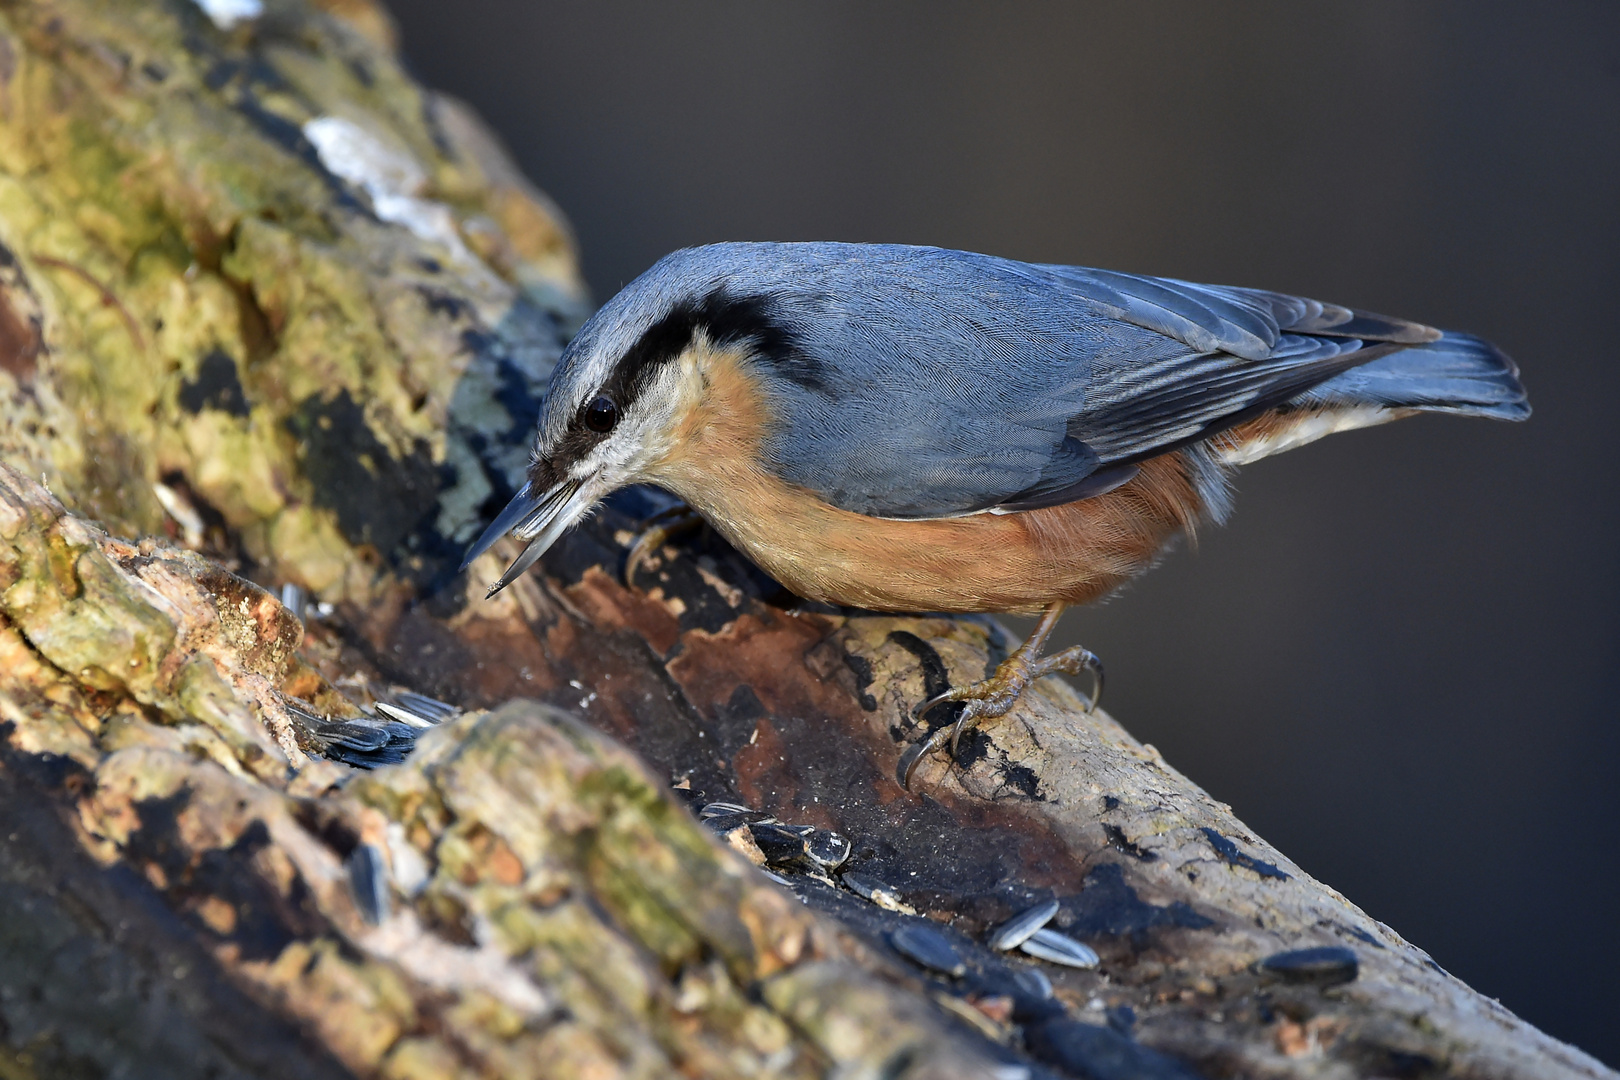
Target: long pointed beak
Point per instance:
(538, 519)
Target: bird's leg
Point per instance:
(992, 697)
(657, 531)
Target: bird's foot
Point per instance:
(994, 697)
(657, 531)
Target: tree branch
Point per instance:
(322, 307)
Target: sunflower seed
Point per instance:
(929, 948)
(878, 893)
(361, 741)
(1056, 948)
(293, 598)
(724, 823)
(432, 708)
(1017, 930)
(368, 881)
(782, 846)
(863, 887)
(1033, 981)
(828, 850)
(1328, 965)
(404, 716)
(720, 809)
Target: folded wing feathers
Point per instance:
(1248, 323)
(1143, 418)
(1290, 343)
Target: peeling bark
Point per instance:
(270, 305)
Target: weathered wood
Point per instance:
(270, 302)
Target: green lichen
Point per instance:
(163, 207)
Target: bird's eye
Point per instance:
(601, 414)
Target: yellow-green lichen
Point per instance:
(166, 210)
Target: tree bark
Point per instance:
(273, 307)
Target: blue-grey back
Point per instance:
(921, 382)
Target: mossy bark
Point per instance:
(286, 315)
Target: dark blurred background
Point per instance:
(1401, 661)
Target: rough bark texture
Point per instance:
(269, 304)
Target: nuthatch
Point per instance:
(914, 429)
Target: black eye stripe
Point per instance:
(725, 319)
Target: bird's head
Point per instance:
(620, 396)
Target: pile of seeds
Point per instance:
(805, 851)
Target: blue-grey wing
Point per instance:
(915, 382)
(1246, 323)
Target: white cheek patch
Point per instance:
(646, 433)
(649, 431)
(621, 458)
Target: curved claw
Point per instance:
(656, 532)
(972, 712)
(936, 738)
(1087, 661)
(920, 751)
(645, 544)
(920, 711)
(1096, 669)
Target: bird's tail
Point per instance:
(1457, 373)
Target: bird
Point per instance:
(916, 429)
